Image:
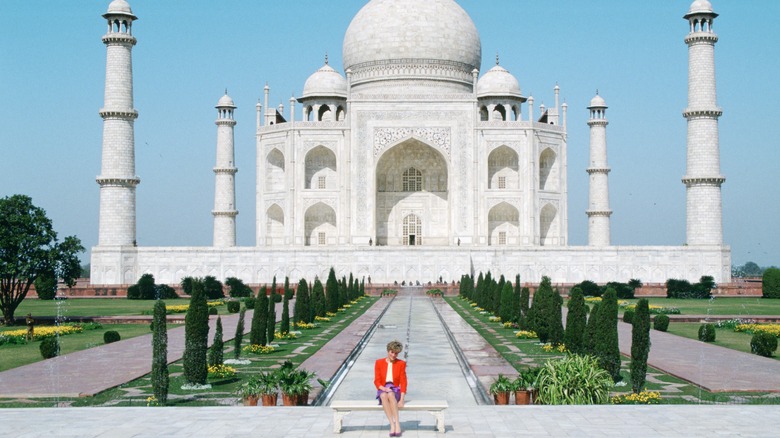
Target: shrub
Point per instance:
(770, 283)
(165, 292)
(233, 306)
(683, 289)
(46, 286)
(573, 380)
(213, 311)
(239, 336)
(285, 323)
(589, 340)
(249, 302)
(576, 320)
(707, 333)
(763, 344)
(640, 345)
(216, 353)
(661, 323)
(607, 348)
(628, 316)
(270, 325)
(542, 309)
(213, 288)
(196, 332)
(302, 307)
(258, 332)
(160, 377)
(589, 288)
(237, 288)
(111, 336)
(50, 347)
(624, 290)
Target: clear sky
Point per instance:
(52, 72)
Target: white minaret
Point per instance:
(702, 179)
(225, 185)
(117, 178)
(598, 207)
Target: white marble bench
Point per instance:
(343, 407)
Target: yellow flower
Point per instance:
(259, 349)
(643, 398)
(525, 334)
(221, 371)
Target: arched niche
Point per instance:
(503, 224)
(549, 229)
(320, 225)
(274, 171)
(274, 225)
(321, 169)
(503, 169)
(549, 174)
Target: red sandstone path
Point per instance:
(91, 371)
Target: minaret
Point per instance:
(702, 178)
(225, 185)
(117, 178)
(598, 207)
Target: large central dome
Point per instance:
(403, 33)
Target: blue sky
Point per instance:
(52, 71)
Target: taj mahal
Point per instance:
(416, 160)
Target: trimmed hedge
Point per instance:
(628, 316)
(661, 323)
(770, 283)
(50, 347)
(763, 344)
(233, 306)
(111, 336)
(707, 333)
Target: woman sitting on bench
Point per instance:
(390, 382)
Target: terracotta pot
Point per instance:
(303, 399)
(289, 399)
(501, 398)
(250, 400)
(522, 397)
(270, 399)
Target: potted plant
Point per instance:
(294, 384)
(249, 392)
(303, 386)
(524, 386)
(500, 389)
(268, 387)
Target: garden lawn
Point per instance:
(720, 306)
(13, 355)
(724, 337)
(84, 307)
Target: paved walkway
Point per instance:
(475, 421)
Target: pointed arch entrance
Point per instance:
(412, 196)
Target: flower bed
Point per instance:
(41, 332)
(526, 334)
(259, 349)
(494, 319)
(305, 325)
(550, 348)
(182, 308)
(321, 318)
(287, 335)
(221, 371)
(643, 398)
(656, 310)
(772, 329)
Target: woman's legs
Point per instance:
(388, 400)
(394, 422)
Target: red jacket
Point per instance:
(399, 373)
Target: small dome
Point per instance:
(498, 82)
(325, 82)
(598, 102)
(225, 102)
(701, 7)
(120, 7)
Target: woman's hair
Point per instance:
(395, 346)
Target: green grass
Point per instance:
(12, 356)
(724, 337)
(81, 307)
(521, 353)
(720, 306)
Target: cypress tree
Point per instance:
(285, 326)
(270, 325)
(589, 340)
(351, 287)
(505, 309)
(640, 345)
(196, 333)
(342, 293)
(478, 290)
(261, 312)
(160, 378)
(216, 353)
(302, 308)
(495, 305)
(556, 318)
(319, 305)
(332, 292)
(539, 313)
(239, 337)
(362, 287)
(525, 298)
(607, 348)
(576, 321)
(514, 304)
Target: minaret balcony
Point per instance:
(702, 113)
(119, 38)
(118, 182)
(715, 181)
(226, 170)
(701, 37)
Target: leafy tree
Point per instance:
(466, 288)
(216, 353)
(576, 321)
(29, 248)
(237, 288)
(589, 288)
(332, 292)
(640, 345)
(770, 283)
(213, 288)
(285, 325)
(160, 377)
(258, 334)
(186, 285)
(196, 332)
(607, 348)
(144, 289)
(239, 337)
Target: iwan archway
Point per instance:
(412, 196)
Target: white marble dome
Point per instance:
(226, 102)
(397, 30)
(498, 82)
(120, 7)
(701, 7)
(598, 102)
(325, 82)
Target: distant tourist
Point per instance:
(30, 327)
(390, 383)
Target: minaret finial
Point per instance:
(497, 61)
(326, 58)
(225, 91)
